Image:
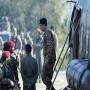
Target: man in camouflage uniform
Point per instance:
(49, 54)
(55, 38)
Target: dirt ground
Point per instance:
(59, 84)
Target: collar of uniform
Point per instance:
(29, 54)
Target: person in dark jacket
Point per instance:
(29, 70)
(9, 46)
(49, 54)
(8, 77)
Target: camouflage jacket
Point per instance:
(49, 45)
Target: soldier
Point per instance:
(49, 54)
(9, 46)
(29, 70)
(37, 51)
(55, 38)
(7, 77)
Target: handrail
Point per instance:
(64, 55)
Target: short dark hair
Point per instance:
(28, 48)
(43, 21)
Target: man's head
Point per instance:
(9, 46)
(6, 55)
(43, 24)
(28, 48)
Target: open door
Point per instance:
(75, 23)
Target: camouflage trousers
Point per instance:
(47, 73)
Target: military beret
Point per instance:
(11, 44)
(6, 54)
(7, 45)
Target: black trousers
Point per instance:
(29, 87)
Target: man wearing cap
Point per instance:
(49, 54)
(6, 63)
(8, 76)
(29, 70)
(9, 46)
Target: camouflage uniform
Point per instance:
(49, 58)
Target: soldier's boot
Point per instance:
(51, 88)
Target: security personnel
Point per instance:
(49, 54)
(7, 79)
(9, 46)
(29, 70)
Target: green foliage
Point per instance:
(26, 13)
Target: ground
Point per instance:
(59, 84)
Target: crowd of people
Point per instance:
(30, 62)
